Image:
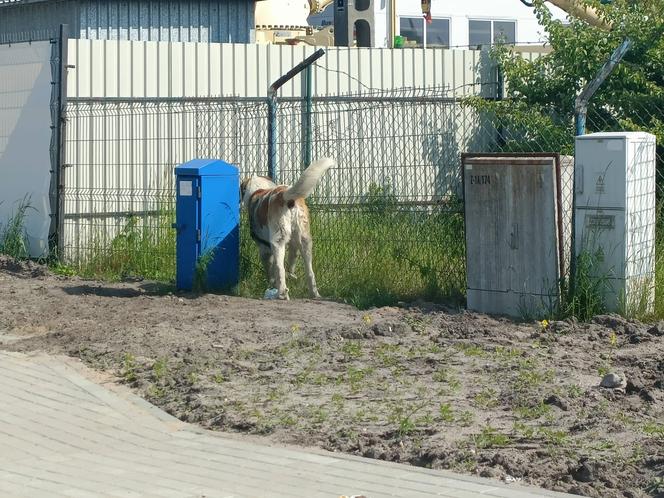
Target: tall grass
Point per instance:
(144, 246)
(13, 237)
(375, 254)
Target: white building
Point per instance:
(456, 24)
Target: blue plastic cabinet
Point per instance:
(208, 225)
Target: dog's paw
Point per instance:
(283, 295)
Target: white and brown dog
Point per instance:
(279, 223)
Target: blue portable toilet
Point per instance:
(207, 220)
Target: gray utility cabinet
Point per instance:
(615, 216)
(515, 247)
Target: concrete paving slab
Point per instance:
(63, 434)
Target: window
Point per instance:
(487, 32)
(438, 32)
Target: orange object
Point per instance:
(426, 10)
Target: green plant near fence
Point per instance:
(13, 237)
(144, 246)
(374, 255)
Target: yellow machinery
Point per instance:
(285, 21)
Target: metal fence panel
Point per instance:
(25, 138)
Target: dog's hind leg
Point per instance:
(279, 254)
(268, 264)
(291, 258)
(307, 254)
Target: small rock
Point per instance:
(657, 329)
(613, 381)
(489, 473)
(388, 329)
(585, 472)
(557, 401)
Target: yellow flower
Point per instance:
(544, 324)
(294, 328)
(613, 339)
(366, 319)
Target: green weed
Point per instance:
(446, 413)
(490, 438)
(13, 237)
(128, 370)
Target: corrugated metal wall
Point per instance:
(174, 20)
(136, 69)
(37, 21)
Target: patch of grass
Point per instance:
(192, 377)
(404, 417)
(446, 413)
(219, 378)
(155, 391)
(160, 369)
(355, 377)
(490, 438)
(465, 418)
(388, 354)
(142, 246)
(574, 391)
(351, 349)
(585, 298)
(654, 429)
(656, 486)
(532, 412)
(128, 370)
(417, 323)
(423, 252)
(447, 376)
(471, 350)
(553, 437)
(201, 271)
(486, 398)
(13, 237)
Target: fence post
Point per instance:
(307, 117)
(272, 137)
(272, 166)
(59, 92)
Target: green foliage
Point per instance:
(586, 298)
(374, 254)
(144, 246)
(490, 438)
(632, 96)
(13, 237)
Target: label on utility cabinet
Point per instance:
(480, 179)
(186, 188)
(601, 221)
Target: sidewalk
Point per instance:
(61, 434)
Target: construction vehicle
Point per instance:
(285, 21)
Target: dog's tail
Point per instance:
(306, 184)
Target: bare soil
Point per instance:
(418, 384)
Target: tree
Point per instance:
(543, 91)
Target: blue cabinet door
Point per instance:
(187, 224)
(220, 231)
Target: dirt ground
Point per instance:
(417, 384)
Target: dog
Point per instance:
(279, 224)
